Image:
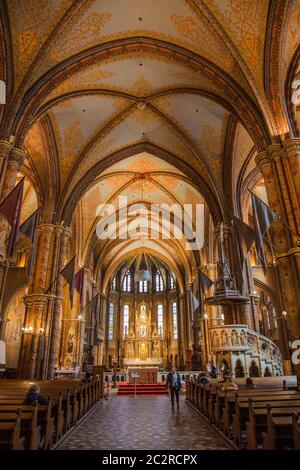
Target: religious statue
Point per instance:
(130, 350)
(70, 343)
(143, 330)
(156, 350)
(143, 312)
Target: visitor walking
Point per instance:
(173, 383)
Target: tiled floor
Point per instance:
(143, 423)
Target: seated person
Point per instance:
(34, 396)
(202, 378)
(87, 377)
(250, 383)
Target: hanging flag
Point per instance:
(195, 301)
(205, 282)
(68, 273)
(263, 218)
(10, 208)
(246, 237)
(79, 285)
(28, 229)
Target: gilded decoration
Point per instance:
(32, 21)
(106, 76)
(141, 87)
(195, 32)
(79, 35)
(85, 80)
(72, 138)
(293, 34)
(245, 23)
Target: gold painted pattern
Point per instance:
(245, 22)
(31, 23)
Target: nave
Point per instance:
(143, 423)
(149, 220)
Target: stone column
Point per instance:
(280, 166)
(63, 235)
(168, 334)
(188, 325)
(119, 338)
(36, 303)
(181, 322)
(11, 160)
(5, 149)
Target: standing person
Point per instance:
(213, 371)
(173, 382)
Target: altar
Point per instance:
(147, 375)
(142, 344)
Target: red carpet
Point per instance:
(142, 389)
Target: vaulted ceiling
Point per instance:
(169, 97)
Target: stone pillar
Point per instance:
(62, 237)
(5, 149)
(280, 166)
(119, 332)
(182, 331)
(11, 160)
(42, 328)
(36, 303)
(188, 325)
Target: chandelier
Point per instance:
(142, 273)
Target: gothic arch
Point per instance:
(245, 108)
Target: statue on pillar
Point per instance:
(225, 285)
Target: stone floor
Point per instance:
(143, 423)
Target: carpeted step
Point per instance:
(142, 389)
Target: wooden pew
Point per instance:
(61, 403)
(226, 400)
(258, 423)
(279, 433)
(296, 431)
(59, 419)
(71, 400)
(243, 410)
(10, 434)
(234, 403)
(29, 427)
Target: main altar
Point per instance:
(143, 346)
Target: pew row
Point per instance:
(34, 426)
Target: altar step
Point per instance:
(142, 389)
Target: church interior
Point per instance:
(110, 109)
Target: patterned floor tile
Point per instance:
(143, 423)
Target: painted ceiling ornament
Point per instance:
(196, 32)
(142, 106)
(83, 34)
